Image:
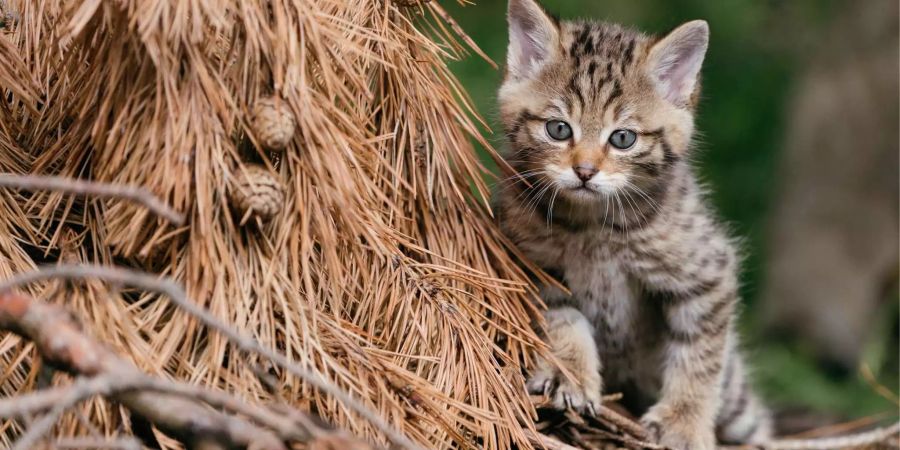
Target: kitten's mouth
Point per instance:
(583, 193)
(584, 188)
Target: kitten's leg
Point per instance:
(698, 329)
(742, 418)
(698, 305)
(571, 341)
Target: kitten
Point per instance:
(600, 119)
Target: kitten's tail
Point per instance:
(742, 418)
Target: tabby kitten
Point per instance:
(600, 119)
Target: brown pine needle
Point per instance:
(160, 96)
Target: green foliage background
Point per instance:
(757, 51)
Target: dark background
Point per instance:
(757, 129)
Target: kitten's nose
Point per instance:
(585, 171)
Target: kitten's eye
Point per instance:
(622, 139)
(559, 130)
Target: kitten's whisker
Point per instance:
(633, 188)
(540, 195)
(532, 205)
(622, 212)
(605, 210)
(528, 191)
(643, 194)
(524, 173)
(518, 177)
(550, 208)
(637, 211)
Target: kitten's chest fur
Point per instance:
(591, 264)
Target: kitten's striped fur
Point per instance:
(652, 275)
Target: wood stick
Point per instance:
(62, 343)
(80, 443)
(177, 295)
(856, 440)
(93, 188)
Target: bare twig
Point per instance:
(97, 189)
(548, 443)
(857, 440)
(177, 295)
(866, 372)
(835, 429)
(285, 425)
(609, 418)
(612, 426)
(43, 425)
(96, 443)
(630, 441)
(62, 343)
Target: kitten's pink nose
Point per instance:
(585, 171)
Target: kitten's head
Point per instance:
(594, 109)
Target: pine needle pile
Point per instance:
(334, 208)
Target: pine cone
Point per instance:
(257, 193)
(273, 123)
(8, 19)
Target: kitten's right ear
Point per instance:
(533, 38)
(675, 61)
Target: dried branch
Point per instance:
(857, 440)
(549, 443)
(610, 426)
(83, 443)
(43, 425)
(618, 421)
(62, 343)
(287, 426)
(173, 406)
(177, 295)
(608, 418)
(96, 189)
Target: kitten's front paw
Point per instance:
(572, 343)
(678, 431)
(583, 396)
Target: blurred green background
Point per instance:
(758, 49)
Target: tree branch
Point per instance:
(177, 295)
(61, 342)
(96, 189)
(83, 443)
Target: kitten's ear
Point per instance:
(674, 62)
(533, 38)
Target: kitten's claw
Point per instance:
(541, 383)
(591, 408)
(566, 394)
(567, 400)
(548, 387)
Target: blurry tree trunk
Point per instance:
(834, 236)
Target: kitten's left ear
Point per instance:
(674, 62)
(533, 38)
